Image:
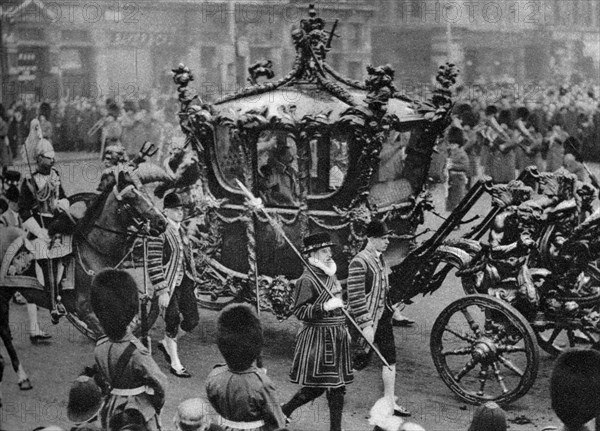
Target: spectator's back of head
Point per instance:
(114, 300)
(192, 414)
(488, 417)
(575, 385)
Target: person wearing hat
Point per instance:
(574, 389)
(134, 379)
(85, 401)
(192, 415)
(44, 208)
(11, 218)
(114, 158)
(240, 392)
(488, 417)
(172, 272)
(367, 292)
(322, 361)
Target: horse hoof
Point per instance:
(25, 385)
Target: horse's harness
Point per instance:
(138, 222)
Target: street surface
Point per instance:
(52, 367)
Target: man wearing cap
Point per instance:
(193, 415)
(85, 401)
(368, 288)
(322, 361)
(172, 273)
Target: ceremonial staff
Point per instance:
(257, 204)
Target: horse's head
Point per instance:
(135, 207)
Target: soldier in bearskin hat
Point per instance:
(239, 391)
(172, 272)
(322, 361)
(368, 288)
(574, 388)
(134, 378)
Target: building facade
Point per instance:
(520, 40)
(118, 49)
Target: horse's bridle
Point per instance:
(136, 219)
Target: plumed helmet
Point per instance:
(239, 336)
(574, 386)
(172, 200)
(488, 417)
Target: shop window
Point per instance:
(208, 57)
(355, 36)
(30, 34)
(70, 60)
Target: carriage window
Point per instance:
(392, 156)
(278, 168)
(328, 164)
(229, 157)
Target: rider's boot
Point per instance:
(35, 332)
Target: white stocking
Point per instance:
(388, 375)
(34, 327)
(171, 347)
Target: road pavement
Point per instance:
(54, 366)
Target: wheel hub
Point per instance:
(484, 351)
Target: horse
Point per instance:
(103, 238)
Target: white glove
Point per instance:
(333, 303)
(369, 334)
(32, 226)
(63, 204)
(163, 300)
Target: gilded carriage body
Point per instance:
(322, 152)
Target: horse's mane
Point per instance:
(91, 213)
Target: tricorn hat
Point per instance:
(85, 400)
(316, 241)
(239, 336)
(172, 200)
(376, 229)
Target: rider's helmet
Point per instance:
(115, 154)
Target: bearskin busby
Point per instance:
(239, 336)
(575, 385)
(114, 299)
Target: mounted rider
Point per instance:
(113, 158)
(44, 209)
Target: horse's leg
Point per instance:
(6, 336)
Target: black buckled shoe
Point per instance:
(40, 337)
(401, 411)
(183, 373)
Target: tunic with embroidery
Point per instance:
(244, 396)
(140, 370)
(322, 356)
(368, 287)
(43, 207)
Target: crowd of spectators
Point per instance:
(83, 124)
(555, 127)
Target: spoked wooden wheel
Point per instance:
(564, 333)
(484, 350)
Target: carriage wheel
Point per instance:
(562, 334)
(565, 332)
(484, 350)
